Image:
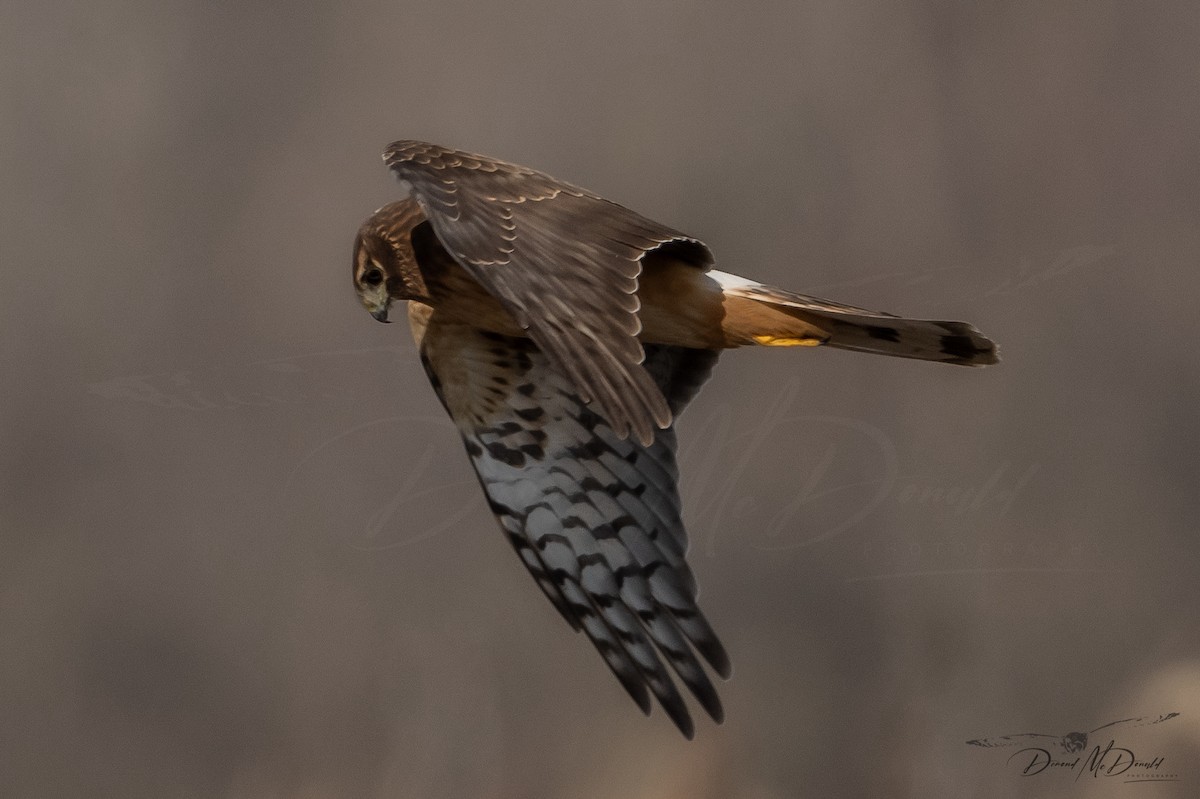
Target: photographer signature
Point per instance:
(1039, 750)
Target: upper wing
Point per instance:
(1141, 721)
(594, 517)
(1012, 740)
(563, 261)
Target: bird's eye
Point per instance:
(372, 277)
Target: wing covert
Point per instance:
(562, 260)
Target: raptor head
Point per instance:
(385, 268)
(1074, 741)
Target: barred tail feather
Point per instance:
(927, 340)
(775, 317)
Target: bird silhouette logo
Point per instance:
(1071, 742)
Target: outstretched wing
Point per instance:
(594, 517)
(1142, 721)
(562, 260)
(1021, 739)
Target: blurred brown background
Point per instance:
(242, 551)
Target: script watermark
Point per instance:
(1047, 755)
(845, 470)
(840, 472)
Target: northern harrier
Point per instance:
(564, 333)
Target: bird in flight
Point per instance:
(1071, 742)
(564, 333)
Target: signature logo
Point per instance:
(1043, 753)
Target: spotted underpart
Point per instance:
(594, 517)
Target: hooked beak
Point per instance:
(381, 315)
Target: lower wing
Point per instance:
(594, 517)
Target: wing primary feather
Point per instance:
(595, 518)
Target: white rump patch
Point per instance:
(728, 281)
